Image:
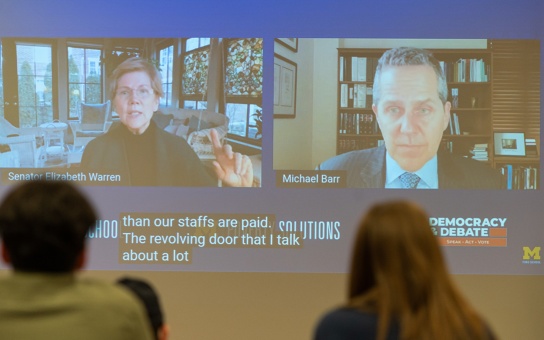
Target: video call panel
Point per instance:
(305, 102)
(484, 134)
(67, 115)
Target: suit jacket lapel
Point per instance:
(373, 170)
(449, 174)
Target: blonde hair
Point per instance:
(399, 273)
(136, 64)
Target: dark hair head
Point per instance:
(149, 297)
(409, 56)
(136, 64)
(395, 251)
(398, 272)
(43, 225)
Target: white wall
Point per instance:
(296, 141)
(293, 137)
(325, 101)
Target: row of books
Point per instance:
(455, 128)
(466, 70)
(351, 144)
(355, 96)
(531, 148)
(520, 177)
(357, 124)
(479, 152)
(357, 68)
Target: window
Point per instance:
(166, 63)
(84, 77)
(34, 84)
(195, 73)
(244, 88)
(194, 43)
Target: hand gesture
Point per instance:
(232, 168)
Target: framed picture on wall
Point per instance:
(290, 43)
(285, 87)
(509, 143)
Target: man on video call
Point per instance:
(410, 103)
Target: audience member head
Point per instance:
(395, 247)
(398, 272)
(43, 226)
(145, 292)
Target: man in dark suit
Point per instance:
(411, 107)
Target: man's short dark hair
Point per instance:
(410, 56)
(149, 297)
(43, 225)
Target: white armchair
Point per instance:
(18, 145)
(94, 120)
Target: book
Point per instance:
(456, 124)
(530, 147)
(455, 97)
(361, 69)
(341, 75)
(344, 95)
(360, 102)
(507, 172)
(354, 68)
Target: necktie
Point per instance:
(409, 180)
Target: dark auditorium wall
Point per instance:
(271, 306)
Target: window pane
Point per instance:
(189, 104)
(167, 99)
(195, 75)
(34, 70)
(194, 43)
(93, 95)
(255, 121)
(244, 71)
(166, 58)
(195, 105)
(237, 114)
(84, 77)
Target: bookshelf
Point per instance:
(357, 126)
(483, 100)
(520, 173)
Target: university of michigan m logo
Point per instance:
(529, 253)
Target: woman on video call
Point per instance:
(147, 155)
(399, 287)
